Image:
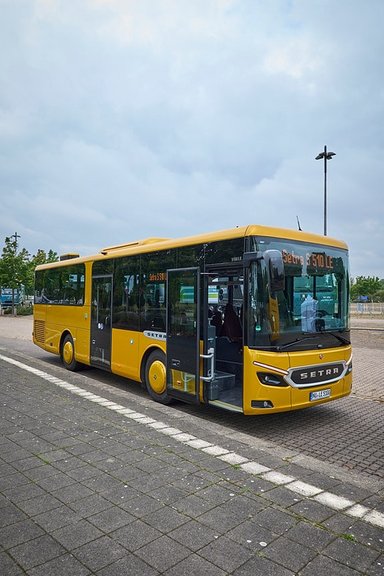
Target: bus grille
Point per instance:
(39, 331)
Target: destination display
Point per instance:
(157, 277)
(316, 261)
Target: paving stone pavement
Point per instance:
(89, 485)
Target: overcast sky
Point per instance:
(124, 119)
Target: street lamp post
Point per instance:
(327, 156)
(15, 236)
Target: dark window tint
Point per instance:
(153, 289)
(102, 267)
(127, 294)
(62, 285)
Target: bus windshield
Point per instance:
(310, 309)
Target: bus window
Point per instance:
(126, 298)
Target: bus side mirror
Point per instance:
(275, 268)
(250, 257)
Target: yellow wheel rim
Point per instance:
(68, 352)
(157, 377)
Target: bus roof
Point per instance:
(154, 244)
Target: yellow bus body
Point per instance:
(130, 348)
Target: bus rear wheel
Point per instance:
(156, 377)
(68, 354)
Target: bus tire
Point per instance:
(155, 377)
(67, 354)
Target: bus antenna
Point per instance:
(298, 224)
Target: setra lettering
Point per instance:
(320, 373)
(292, 258)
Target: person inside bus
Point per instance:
(231, 326)
(308, 314)
(216, 320)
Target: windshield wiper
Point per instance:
(339, 338)
(299, 340)
(296, 341)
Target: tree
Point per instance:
(366, 286)
(13, 266)
(41, 257)
(379, 296)
(17, 268)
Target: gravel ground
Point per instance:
(19, 327)
(368, 338)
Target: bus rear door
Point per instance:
(101, 326)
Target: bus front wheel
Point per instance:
(155, 377)
(68, 354)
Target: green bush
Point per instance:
(24, 310)
(20, 310)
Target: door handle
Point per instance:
(210, 356)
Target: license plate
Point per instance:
(319, 394)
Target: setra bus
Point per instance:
(253, 319)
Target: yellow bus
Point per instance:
(253, 319)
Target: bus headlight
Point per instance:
(270, 379)
(261, 404)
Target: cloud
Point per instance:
(122, 119)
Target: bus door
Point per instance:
(183, 334)
(101, 321)
(223, 336)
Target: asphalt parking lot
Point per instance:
(97, 479)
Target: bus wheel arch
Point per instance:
(67, 352)
(153, 373)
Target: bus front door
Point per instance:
(101, 325)
(224, 292)
(183, 334)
